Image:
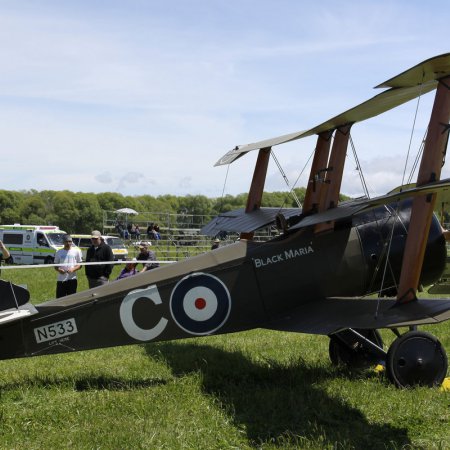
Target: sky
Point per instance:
(143, 97)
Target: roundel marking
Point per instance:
(200, 303)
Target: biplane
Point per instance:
(343, 270)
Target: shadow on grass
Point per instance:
(274, 402)
(116, 384)
(88, 383)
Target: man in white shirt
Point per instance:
(70, 259)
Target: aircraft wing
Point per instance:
(241, 150)
(410, 84)
(332, 314)
(241, 222)
(432, 68)
(351, 208)
(238, 221)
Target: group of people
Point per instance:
(69, 260)
(132, 231)
(153, 232)
(145, 254)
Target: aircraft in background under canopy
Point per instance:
(315, 277)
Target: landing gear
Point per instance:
(416, 358)
(356, 349)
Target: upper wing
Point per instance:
(416, 81)
(430, 69)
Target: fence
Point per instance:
(179, 233)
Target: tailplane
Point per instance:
(14, 302)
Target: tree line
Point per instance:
(79, 212)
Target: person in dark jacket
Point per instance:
(99, 251)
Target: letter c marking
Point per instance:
(126, 314)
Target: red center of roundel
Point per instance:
(200, 303)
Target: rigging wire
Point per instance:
(395, 212)
(359, 169)
(412, 132)
(223, 189)
(291, 190)
(387, 263)
(387, 247)
(416, 161)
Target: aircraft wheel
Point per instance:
(354, 356)
(416, 358)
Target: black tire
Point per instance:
(354, 356)
(49, 260)
(416, 358)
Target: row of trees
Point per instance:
(78, 212)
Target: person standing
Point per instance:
(70, 258)
(137, 232)
(145, 254)
(4, 254)
(99, 251)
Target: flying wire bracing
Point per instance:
(283, 174)
(395, 212)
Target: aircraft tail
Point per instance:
(14, 302)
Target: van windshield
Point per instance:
(56, 238)
(115, 242)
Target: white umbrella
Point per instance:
(126, 211)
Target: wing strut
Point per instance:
(329, 196)
(423, 206)
(257, 186)
(318, 172)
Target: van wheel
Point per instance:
(49, 260)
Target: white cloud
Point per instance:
(104, 177)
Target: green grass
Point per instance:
(259, 389)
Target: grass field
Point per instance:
(259, 389)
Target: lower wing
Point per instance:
(332, 314)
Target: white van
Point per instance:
(32, 244)
(118, 248)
